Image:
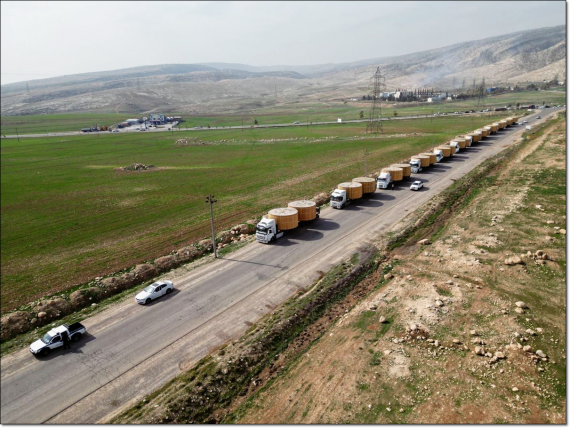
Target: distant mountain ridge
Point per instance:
(215, 87)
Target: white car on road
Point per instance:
(154, 291)
(417, 185)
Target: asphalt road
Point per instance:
(131, 350)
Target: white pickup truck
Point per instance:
(52, 339)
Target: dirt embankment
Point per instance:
(471, 329)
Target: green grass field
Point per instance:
(68, 214)
(289, 113)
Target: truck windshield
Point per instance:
(47, 338)
(381, 179)
(261, 229)
(336, 198)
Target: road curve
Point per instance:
(132, 350)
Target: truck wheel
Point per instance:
(45, 352)
(147, 301)
(272, 240)
(76, 337)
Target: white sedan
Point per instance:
(416, 185)
(154, 291)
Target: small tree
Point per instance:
(361, 114)
(395, 113)
(255, 122)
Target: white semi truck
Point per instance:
(456, 145)
(438, 155)
(384, 181)
(267, 231)
(339, 199)
(416, 165)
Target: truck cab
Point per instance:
(266, 231)
(438, 155)
(416, 165)
(384, 181)
(456, 145)
(339, 199)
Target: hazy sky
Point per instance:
(46, 39)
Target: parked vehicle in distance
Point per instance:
(525, 121)
(417, 185)
(538, 117)
(528, 127)
(295, 123)
(116, 130)
(52, 339)
(154, 291)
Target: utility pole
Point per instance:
(211, 200)
(307, 122)
(242, 125)
(366, 163)
(17, 135)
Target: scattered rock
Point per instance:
(138, 167)
(519, 310)
(522, 305)
(500, 355)
(373, 307)
(424, 242)
(515, 260)
(383, 320)
(527, 348)
(387, 352)
(540, 354)
(438, 303)
(515, 389)
(539, 330)
(531, 332)
(388, 276)
(457, 342)
(479, 350)
(474, 333)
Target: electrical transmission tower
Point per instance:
(377, 82)
(481, 92)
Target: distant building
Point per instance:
(157, 119)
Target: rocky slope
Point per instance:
(208, 88)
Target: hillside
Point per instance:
(219, 87)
